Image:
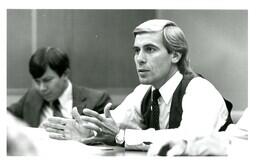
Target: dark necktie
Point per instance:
(155, 110)
(56, 108)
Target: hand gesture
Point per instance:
(105, 127)
(67, 129)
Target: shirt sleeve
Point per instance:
(128, 114)
(204, 109)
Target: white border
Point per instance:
(129, 4)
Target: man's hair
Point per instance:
(57, 60)
(174, 39)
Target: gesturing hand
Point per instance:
(105, 127)
(67, 129)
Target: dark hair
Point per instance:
(57, 60)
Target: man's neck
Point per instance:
(160, 84)
(64, 88)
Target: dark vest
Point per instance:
(176, 105)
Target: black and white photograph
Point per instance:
(126, 82)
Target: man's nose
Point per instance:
(140, 57)
(42, 87)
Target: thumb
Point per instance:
(107, 110)
(76, 115)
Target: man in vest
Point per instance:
(172, 101)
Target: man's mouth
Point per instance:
(46, 94)
(143, 70)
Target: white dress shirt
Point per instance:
(204, 111)
(66, 102)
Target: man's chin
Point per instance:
(146, 82)
(48, 99)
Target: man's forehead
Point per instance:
(154, 38)
(48, 73)
(153, 25)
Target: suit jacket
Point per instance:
(30, 106)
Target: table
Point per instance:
(46, 146)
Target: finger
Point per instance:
(57, 120)
(107, 110)
(57, 136)
(92, 126)
(89, 140)
(82, 117)
(76, 115)
(93, 120)
(45, 125)
(92, 113)
(54, 130)
(92, 140)
(53, 125)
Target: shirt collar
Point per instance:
(169, 87)
(66, 95)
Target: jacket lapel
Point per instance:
(79, 99)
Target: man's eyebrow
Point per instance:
(135, 47)
(146, 45)
(150, 44)
(48, 77)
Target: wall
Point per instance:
(218, 48)
(19, 47)
(99, 43)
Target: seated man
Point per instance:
(231, 142)
(53, 93)
(171, 102)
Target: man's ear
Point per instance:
(176, 56)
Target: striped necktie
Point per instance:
(154, 123)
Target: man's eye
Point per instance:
(150, 49)
(47, 80)
(136, 50)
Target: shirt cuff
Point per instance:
(139, 139)
(120, 138)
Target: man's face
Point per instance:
(153, 63)
(50, 86)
